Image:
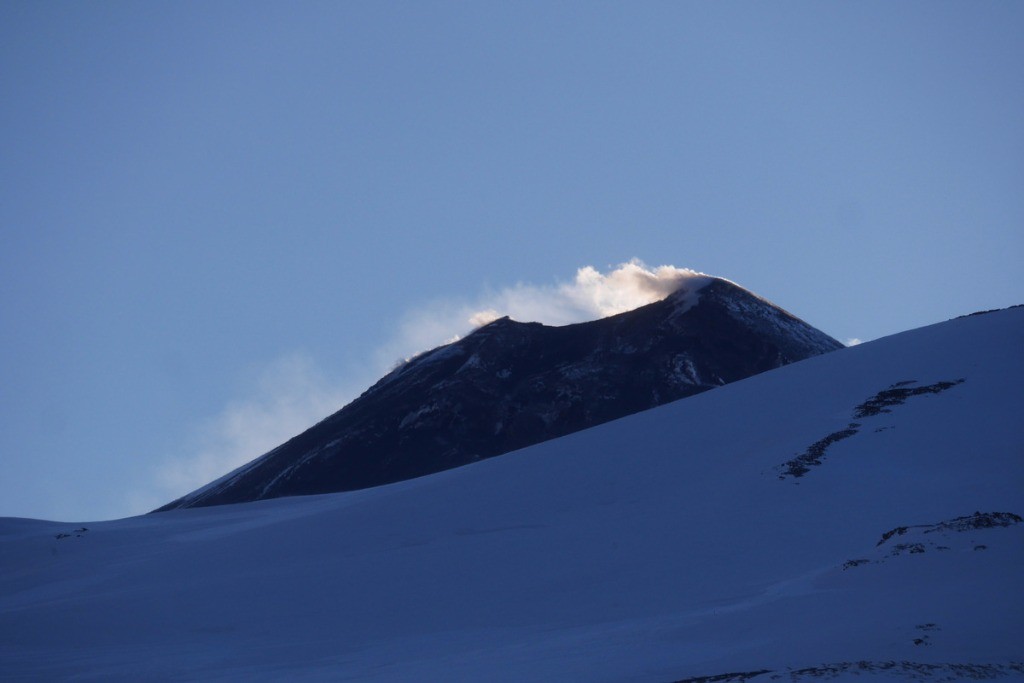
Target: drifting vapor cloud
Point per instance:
(589, 296)
(629, 286)
(292, 394)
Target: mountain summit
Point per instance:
(509, 385)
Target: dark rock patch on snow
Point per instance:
(979, 520)
(926, 629)
(907, 670)
(726, 678)
(882, 402)
(915, 539)
(897, 394)
(802, 464)
(76, 533)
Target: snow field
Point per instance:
(654, 548)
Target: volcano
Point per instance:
(510, 384)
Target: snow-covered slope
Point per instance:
(679, 543)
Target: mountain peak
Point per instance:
(512, 384)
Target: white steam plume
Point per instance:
(589, 296)
(289, 396)
(629, 286)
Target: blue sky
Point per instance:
(220, 221)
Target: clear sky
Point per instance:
(222, 220)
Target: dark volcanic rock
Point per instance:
(882, 402)
(509, 385)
